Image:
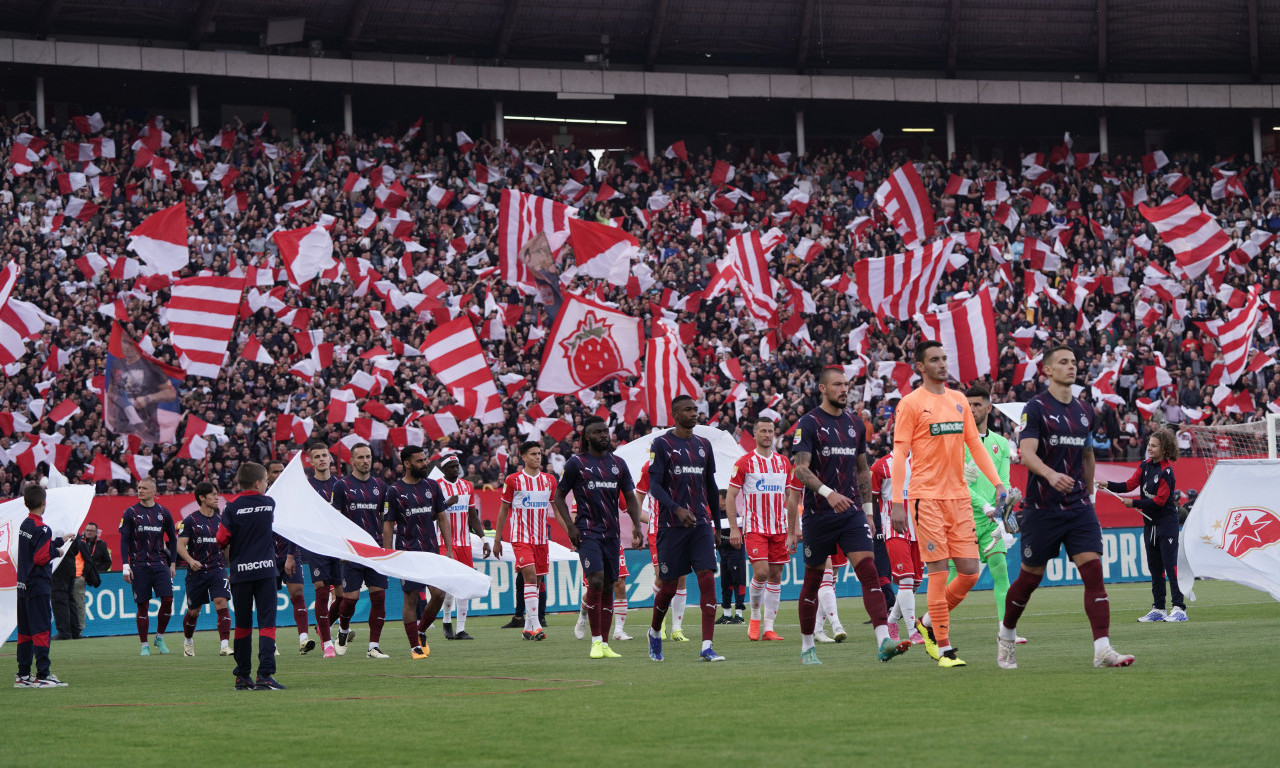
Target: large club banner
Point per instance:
(111, 610)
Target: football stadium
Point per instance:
(639, 383)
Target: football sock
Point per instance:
(1016, 601)
(189, 624)
(827, 597)
(542, 599)
(808, 606)
(141, 621)
(335, 607)
(591, 604)
(706, 596)
(938, 617)
(461, 607)
(530, 607)
(706, 644)
(411, 632)
(772, 599)
(299, 613)
(427, 610)
(757, 594)
(162, 617)
(999, 568)
(905, 606)
(895, 613)
(447, 610)
(1096, 605)
(957, 589)
(606, 611)
(677, 608)
(664, 595)
(322, 612)
(224, 624)
(377, 614)
(889, 598)
(872, 597)
(345, 613)
(619, 615)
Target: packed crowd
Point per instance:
(277, 170)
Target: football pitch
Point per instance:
(1200, 693)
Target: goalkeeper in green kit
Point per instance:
(993, 539)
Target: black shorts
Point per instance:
(283, 578)
(324, 569)
(149, 580)
(1046, 531)
(203, 586)
(681, 550)
(822, 533)
(598, 555)
(355, 576)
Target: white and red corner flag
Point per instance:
(161, 240)
(589, 343)
(307, 252)
(202, 314)
(906, 202)
(967, 331)
(602, 251)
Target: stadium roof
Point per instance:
(1089, 39)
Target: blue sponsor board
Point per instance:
(110, 609)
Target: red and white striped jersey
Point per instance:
(460, 512)
(882, 488)
(530, 500)
(762, 482)
(648, 508)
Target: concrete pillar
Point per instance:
(194, 91)
(499, 127)
(348, 119)
(40, 100)
(1257, 139)
(800, 148)
(1104, 146)
(649, 140)
(951, 134)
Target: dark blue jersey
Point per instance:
(246, 532)
(682, 473)
(323, 487)
(201, 534)
(362, 501)
(1062, 430)
(596, 485)
(834, 444)
(143, 534)
(36, 550)
(1158, 486)
(413, 509)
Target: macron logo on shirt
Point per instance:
(254, 566)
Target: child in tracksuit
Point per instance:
(36, 549)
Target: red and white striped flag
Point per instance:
(967, 331)
(202, 313)
(1235, 336)
(905, 201)
(667, 373)
(1193, 235)
(456, 358)
(521, 218)
(748, 254)
(903, 284)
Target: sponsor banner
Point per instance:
(110, 609)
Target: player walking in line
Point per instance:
(905, 567)
(415, 506)
(649, 514)
(596, 478)
(37, 547)
(983, 500)
(933, 425)
(829, 456)
(149, 550)
(207, 579)
(682, 468)
(1158, 503)
(764, 487)
(362, 498)
(526, 497)
(246, 540)
(1054, 446)
(326, 572)
(464, 520)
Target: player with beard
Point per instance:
(362, 498)
(326, 572)
(829, 459)
(415, 506)
(596, 478)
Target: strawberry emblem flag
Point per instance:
(590, 343)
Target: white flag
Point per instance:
(1233, 533)
(305, 518)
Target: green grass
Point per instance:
(1201, 693)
